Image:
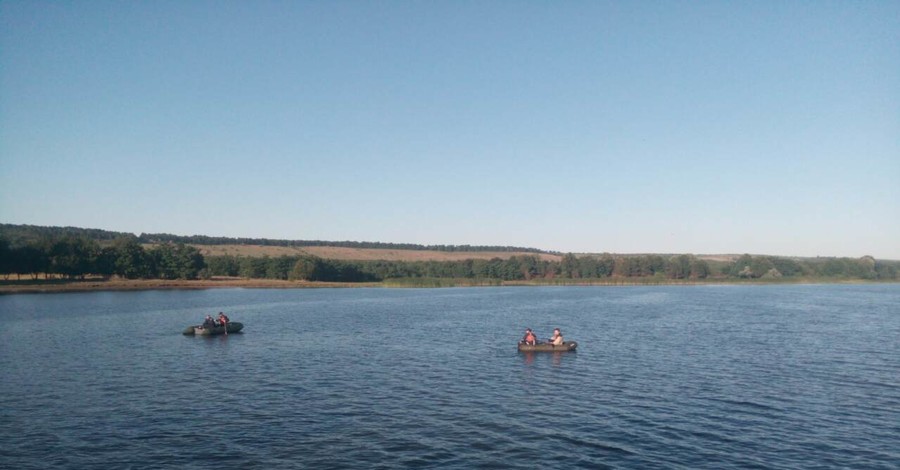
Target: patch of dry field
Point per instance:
(722, 258)
(360, 254)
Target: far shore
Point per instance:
(24, 286)
(59, 285)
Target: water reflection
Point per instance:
(555, 358)
(529, 357)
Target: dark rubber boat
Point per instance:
(547, 347)
(200, 330)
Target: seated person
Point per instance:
(208, 322)
(222, 319)
(557, 339)
(529, 337)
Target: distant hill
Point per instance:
(364, 254)
(73, 252)
(19, 235)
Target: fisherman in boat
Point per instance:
(208, 322)
(223, 319)
(556, 339)
(529, 337)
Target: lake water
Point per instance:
(664, 377)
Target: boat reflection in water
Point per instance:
(555, 357)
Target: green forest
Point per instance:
(23, 234)
(68, 254)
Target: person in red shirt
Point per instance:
(529, 337)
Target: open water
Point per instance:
(664, 377)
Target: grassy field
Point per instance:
(373, 254)
(360, 254)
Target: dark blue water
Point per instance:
(665, 377)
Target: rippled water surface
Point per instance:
(664, 377)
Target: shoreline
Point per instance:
(99, 285)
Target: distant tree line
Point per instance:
(763, 267)
(205, 240)
(22, 234)
(74, 257)
(570, 266)
(19, 235)
(72, 253)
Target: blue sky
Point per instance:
(627, 127)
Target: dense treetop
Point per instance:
(19, 235)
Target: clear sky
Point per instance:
(764, 127)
